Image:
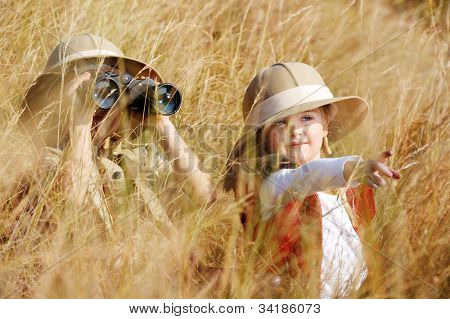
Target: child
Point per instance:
(57, 116)
(304, 229)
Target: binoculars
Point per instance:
(143, 95)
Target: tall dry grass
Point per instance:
(211, 50)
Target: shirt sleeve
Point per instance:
(315, 176)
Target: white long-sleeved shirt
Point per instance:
(286, 184)
(343, 262)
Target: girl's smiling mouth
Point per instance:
(295, 144)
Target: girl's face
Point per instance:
(298, 137)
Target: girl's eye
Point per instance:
(307, 118)
(280, 123)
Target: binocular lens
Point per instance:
(169, 99)
(142, 96)
(106, 93)
(164, 100)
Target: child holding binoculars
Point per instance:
(91, 97)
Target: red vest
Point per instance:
(292, 239)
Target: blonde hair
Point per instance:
(328, 112)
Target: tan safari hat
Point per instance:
(287, 88)
(81, 47)
(85, 46)
(284, 89)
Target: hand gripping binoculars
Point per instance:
(143, 95)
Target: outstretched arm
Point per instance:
(318, 175)
(321, 175)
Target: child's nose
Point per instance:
(296, 130)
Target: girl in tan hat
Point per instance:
(283, 185)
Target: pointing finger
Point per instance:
(383, 169)
(395, 173)
(384, 156)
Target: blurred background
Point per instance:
(392, 53)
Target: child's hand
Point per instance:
(373, 170)
(77, 82)
(76, 103)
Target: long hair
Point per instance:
(253, 157)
